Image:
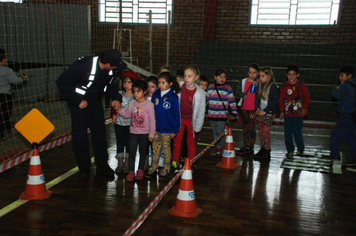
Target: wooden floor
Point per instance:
(255, 199)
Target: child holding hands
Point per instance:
(142, 128)
(122, 124)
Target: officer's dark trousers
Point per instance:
(90, 117)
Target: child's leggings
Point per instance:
(248, 118)
(162, 140)
(140, 140)
(264, 129)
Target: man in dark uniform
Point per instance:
(83, 85)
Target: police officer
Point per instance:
(83, 85)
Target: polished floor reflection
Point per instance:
(255, 199)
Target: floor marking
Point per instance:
(50, 184)
(276, 132)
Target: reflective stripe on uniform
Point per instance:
(80, 91)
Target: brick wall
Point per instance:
(232, 25)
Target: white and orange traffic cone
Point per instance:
(228, 160)
(185, 203)
(35, 186)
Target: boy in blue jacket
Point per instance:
(345, 126)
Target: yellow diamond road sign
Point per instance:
(34, 126)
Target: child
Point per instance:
(248, 109)
(294, 101)
(220, 98)
(167, 69)
(142, 127)
(152, 86)
(203, 82)
(345, 126)
(180, 77)
(267, 107)
(167, 111)
(192, 107)
(122, 124)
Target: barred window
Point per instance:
(135, 11)
(294, 12)
(14, 1)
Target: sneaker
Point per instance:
(300, 152)
(175, 166)
(164, 174)
(150, 173)
(330, 157)
(130, 176)
(290, 155)
(105, 172)
(139, 175)
(243, 151)
(216, 151)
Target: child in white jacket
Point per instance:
(192, 107)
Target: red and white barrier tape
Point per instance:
(54, 143)
(148, 210)
(15, 161)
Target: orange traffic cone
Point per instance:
(35, 188)
(185, 203)
(228, 160)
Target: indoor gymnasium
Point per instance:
(249, 130)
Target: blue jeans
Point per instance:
(293, 126)
(344, 129)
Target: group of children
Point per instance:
(261, 99)
(160, 109)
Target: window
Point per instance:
(135, 11)
(14, 1)
(294, 12)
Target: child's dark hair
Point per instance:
(140, 84)
(2, 54)
(254, 66)
(348, 70)
(294, 68)
(170, 79)
(152, 79)
(220, 71)
(204, 79)
(180, 73)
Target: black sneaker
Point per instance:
(84, 176)
(243, 151)
(216, 151)
(164, 174)
(150, 173)
(328, 157)
(175, 167)
(105, 172)
(290, 155)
